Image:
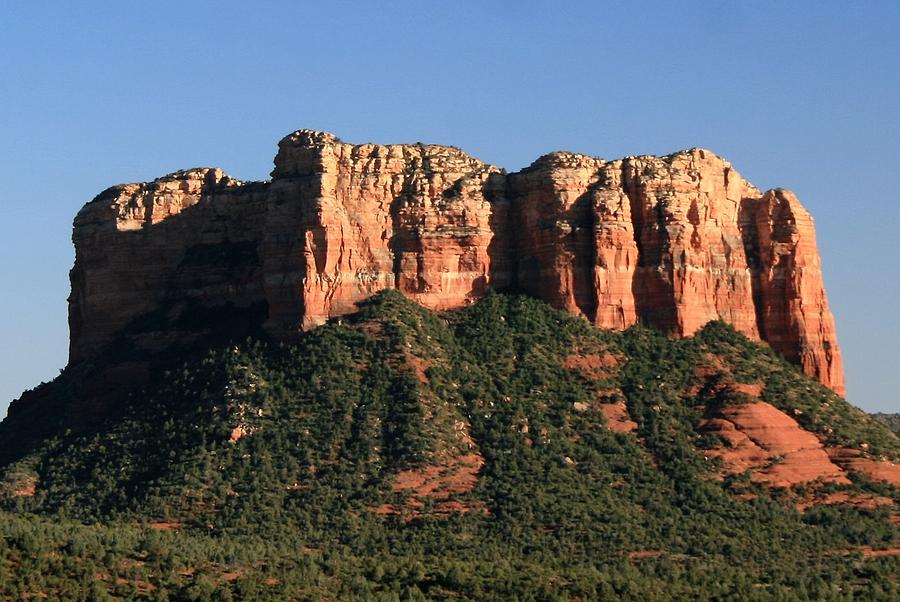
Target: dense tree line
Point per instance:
(268, 463)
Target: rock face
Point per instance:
(791, 303)
(772, 445)
(673, 241)
(347, 221)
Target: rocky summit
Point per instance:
(674, 242)
(399, 373)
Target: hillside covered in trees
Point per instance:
(892, 420)
(501, 451)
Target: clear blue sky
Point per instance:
(804, 95)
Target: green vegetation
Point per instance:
(274, 467)
(892, 420)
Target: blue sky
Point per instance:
(804, 95)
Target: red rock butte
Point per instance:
(672, 241)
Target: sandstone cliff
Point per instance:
(673, 241)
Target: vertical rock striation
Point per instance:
(554, 221)
(692, 267)
(673, 241)
(792, 306)
(348, 221)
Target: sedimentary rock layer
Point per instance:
(673, 241)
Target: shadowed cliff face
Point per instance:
(673, 241)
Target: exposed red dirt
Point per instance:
(750, 389)
(772, 445)
(870, 553)
(143, 587)
(422, 481)
(442, 481)
(641, 554)
(594, 366)
(238, 432)
(26, 488)
(713, 365)
(724, 383)
(853, 460)
(437, 482)
(166, 525)
(617, 418)
(419, 366)
(860, 500)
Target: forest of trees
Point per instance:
(264, 471)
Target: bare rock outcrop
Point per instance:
(792, 305)
(347, 221)
(772, 445)
(554, 220)
(673, 241)
(189, 237)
